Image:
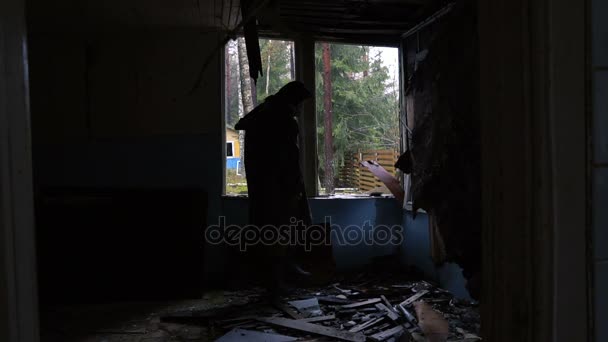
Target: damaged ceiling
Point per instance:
(381, 21)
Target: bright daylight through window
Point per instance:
(357, 99)
(357, 106)
(242, 95)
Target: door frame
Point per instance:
(18, 289)
(534, 115)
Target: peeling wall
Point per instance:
(443, 156)
(417, 252)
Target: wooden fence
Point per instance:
(353, 175)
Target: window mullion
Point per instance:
(305, 72)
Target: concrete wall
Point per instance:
(600, 164)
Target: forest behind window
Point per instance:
(357, 99)
(242, 95)
(357, 106)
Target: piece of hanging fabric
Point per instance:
(444, 158)
(250, 31)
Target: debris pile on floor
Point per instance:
(347, 311)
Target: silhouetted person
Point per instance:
(274, 178)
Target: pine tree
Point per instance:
(246, 95)
(365, 106)
(328, 120)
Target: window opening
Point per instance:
(241, 95)
(357, 105)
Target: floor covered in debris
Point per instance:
(359, 307)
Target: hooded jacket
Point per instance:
(274, 178)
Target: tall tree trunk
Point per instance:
(268, 75)
(292, 63)
(228, 97)
(269, 50)
(246, 86)
(366, 61)
(254, 92)
(246, 96)
(328, 111)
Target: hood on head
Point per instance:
(289, 96)
(293, 93)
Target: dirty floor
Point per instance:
(362, 307)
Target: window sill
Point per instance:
(352, 196)
(326, 197)
(407, 207)
(234, 197)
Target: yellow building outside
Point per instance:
(232, 143)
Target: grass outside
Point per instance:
(235, 184)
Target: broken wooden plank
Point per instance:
(346, 292)
(307, 307)
(376, 329)
(407, 315)
(386, 302)
(314, 328)
(360, 304)
(333, 300)
(390, 313)
(238, 324)
(366, 325)
(288, 310)
(318, 319)
(414, 298)
(384, 335)
(255, 336)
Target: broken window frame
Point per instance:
(412, 37)
(404, 125)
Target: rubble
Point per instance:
(251, 335)
(382, 306)
(379, 310)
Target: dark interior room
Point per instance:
(303, 170)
